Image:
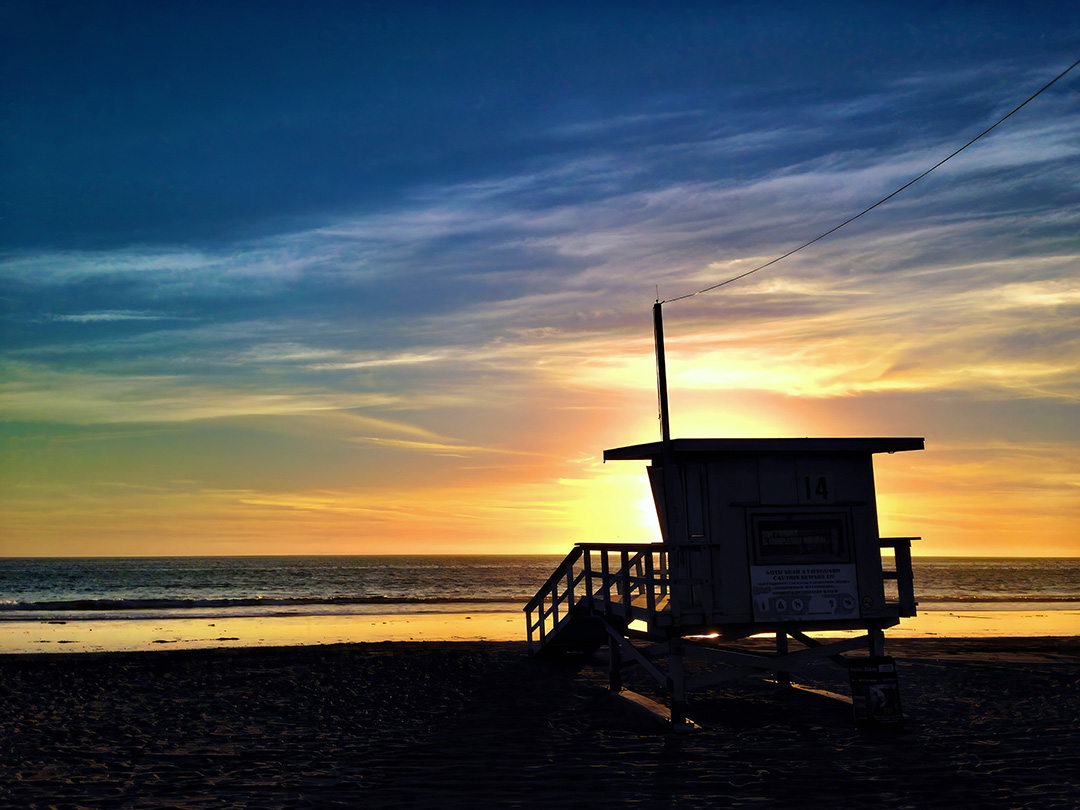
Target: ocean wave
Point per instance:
(92, 605)
(257, 601)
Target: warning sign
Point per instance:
(875, 695)
(804, 592)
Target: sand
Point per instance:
(992, 723)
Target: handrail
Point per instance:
(620, 546)
(558, 574)
(626, 571)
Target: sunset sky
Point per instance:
(376, 277)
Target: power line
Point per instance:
(883, 199)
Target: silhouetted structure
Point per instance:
(772, 536)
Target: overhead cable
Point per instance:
(883, 199)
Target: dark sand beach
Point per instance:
(992, 723)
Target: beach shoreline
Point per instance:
(275, 630)
(481, 724)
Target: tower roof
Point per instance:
(683, 447)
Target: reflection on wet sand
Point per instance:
(274, 631)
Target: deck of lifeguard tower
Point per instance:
(600, 588)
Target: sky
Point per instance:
(376, 278)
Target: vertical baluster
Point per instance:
(663, 572)
(639, 573)
(588, 578)
(624, 558)
(569, 587)
(650, 584)
(605, 577)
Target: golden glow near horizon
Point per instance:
(525, 480)
(538, 487)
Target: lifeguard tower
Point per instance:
(759, 536)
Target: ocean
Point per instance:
(145, 587)
(163, 595)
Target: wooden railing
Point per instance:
(623, 581)
(902, 573)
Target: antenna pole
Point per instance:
(661, 372)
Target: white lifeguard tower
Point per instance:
(776, 536)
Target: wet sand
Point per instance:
(276, 630)
(992, 723)
(130, 635)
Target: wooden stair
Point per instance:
(597, 590)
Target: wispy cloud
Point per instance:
(85, 398)
(480, 292)
(441, 448)
(94, 317)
